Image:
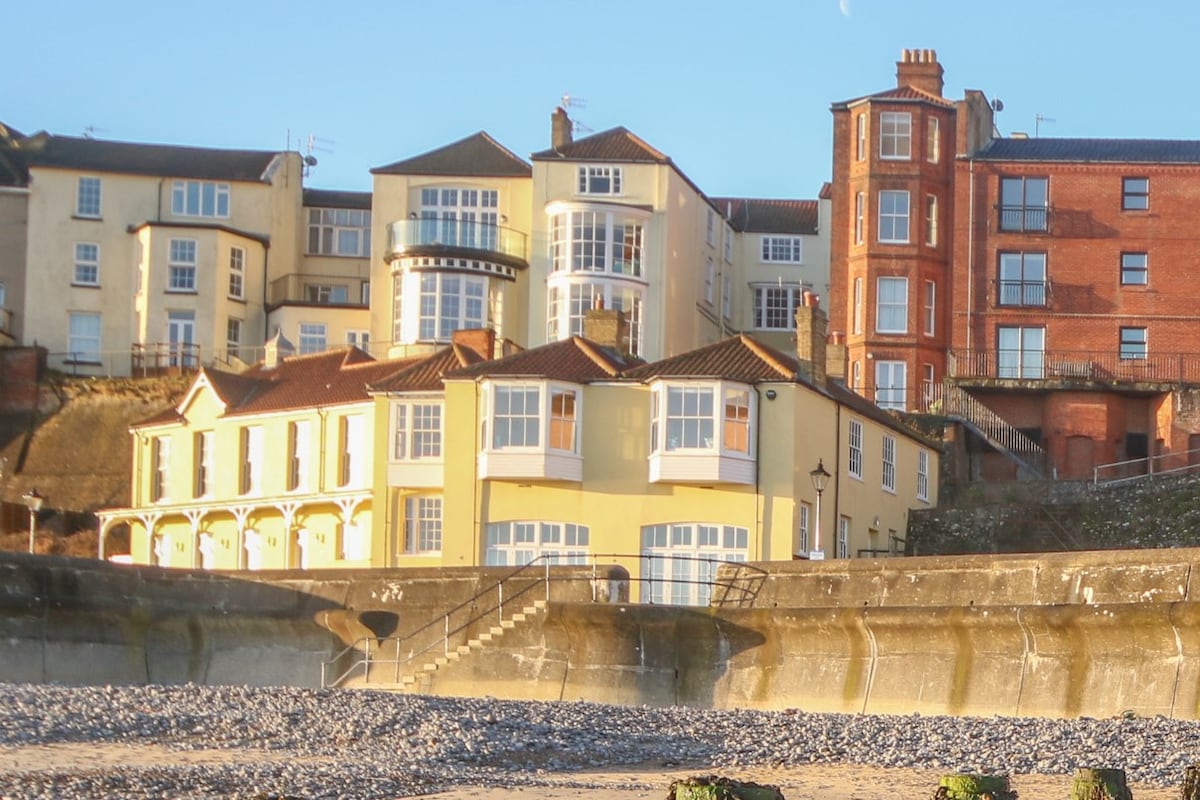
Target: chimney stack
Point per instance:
(920, 70)
(560, 129)
(811, 324)
(607, 328)
(276, 350)
(482, 341)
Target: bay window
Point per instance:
(569, 300)
(430, 306)
(702, 431)
(531, 430)
(515, 543)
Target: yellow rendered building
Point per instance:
(268, 469)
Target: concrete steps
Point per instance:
(422, 677)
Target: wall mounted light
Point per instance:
(771, 394)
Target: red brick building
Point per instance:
(1048, 278)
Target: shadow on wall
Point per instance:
(78, 621)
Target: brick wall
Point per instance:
(21, 368)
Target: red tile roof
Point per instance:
(904, 94)
(615, 144)
(576, 359)
(739, 358)
(755, 215)
(426, 374)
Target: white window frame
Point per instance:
(860, 212)
(417, 430)
(891, 394)
(933, 141)
(539, 412)
(353, 469)
(803, 522)
(299, 455)
(570, 298)
(930, 308)
(202, 485)
(698, 413)
(237, 273)
(893, 216)
(87, 264)
(83, 343)
(343, 232)
(423, 520)
(88, 197)
(923, 475)
(515, 543)
(854, 464)
(460, 301)
(889, 464)
(931, 220)
(1133, 343)
(250, 472)
(860, 151)
(1020, 351)
(687, 580)
(207, 199)
(843, 538)
(891, 312)
(858, 305)
(782, 250)
(599, 180)
(771, 299)
(160, 454)
(233, 337)
(311, 337)
(359, 338)
(597, 240)
(727, 297)
(182, 258)
(1135, 268)
(895, 136)
(710, 276)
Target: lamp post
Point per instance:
(33, 501)
(820, 478)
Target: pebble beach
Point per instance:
(229, 741)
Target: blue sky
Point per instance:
(737, 94)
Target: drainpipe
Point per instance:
(837, 471)
(758, 498)
(970, 252)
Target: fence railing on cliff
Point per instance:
(1132, 363)
(1185, 462)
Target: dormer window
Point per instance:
(702, 432)
(599, 180)
(530, 429)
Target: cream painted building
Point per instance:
(268, 469)
(450, 246)
(14, 216)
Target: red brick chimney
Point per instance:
(811, 325)
(560, 129)
(920, 70)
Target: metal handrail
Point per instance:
(997, 430)
(1136, 469)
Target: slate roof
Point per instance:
(1117, 151)
(615, 144)
(901, 94)
(755, 215)
(576, 359)
(476, 155)
(425, 375)
(68, 152)
(334, 198)
(738, 358)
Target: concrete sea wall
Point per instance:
(1063, 635)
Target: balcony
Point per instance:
(1024, 219)
(1022, 293)
(164, 358)
(458, 239)
(1074, 365)
(318, 290)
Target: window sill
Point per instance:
(83, 362)
(84, 285)
(880, 332)
(238, 300)
(894, 241)
(87, 218)
(180, 291)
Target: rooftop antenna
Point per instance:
(1038, 119)
(90, 131)
(315, 144)
(568, 103)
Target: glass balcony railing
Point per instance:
(409, 236)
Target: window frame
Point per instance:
(891, 218)
(88, 187)
(842, 546)
(542, 413)
(1131, 347)
(860, 212)
(591, 177)
(516, 542)
(1030, 362)
(424, 520)
(1130, 271)
(857, 310)
(202, 456)
(1030, 217)
(923, 475)
(860, 135)
(160, 469)
(782, 249)
(298, 455)
(854, 441)
(710, 430)
(931, 220)
(307, 337)
(930, 308)
(408, 437)
(86, 264)
(83, 355)
(888, 464)
(233, 336)
(1135, 199)
(237, 273)
(328, 225)
(250, 452)
(887, 309)
(895, 139)
(891, 396)
(182, 199)
(762, 306)
(182, 272)
(1031, 290)
(933, 140)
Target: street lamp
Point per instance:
(820, 479)
(33, 502)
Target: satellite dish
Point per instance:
(310, 160)
(997, 105)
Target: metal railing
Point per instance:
(407, 235)
(1024, 218)
(158, 358)
(401, 653)
(1032, 364)
(1184, 462)
(1022, 293)
(325, 290)
(996, 430)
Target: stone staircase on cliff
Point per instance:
(1033, 460)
